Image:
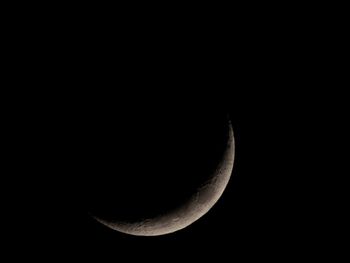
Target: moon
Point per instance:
(202, 200)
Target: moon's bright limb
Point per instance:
(198, 205)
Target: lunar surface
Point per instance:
(201, 201)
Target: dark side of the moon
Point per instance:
(141, 165)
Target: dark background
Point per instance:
(268, 69)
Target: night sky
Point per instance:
(131, 114)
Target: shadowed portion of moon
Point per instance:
(198, 205)
(165, 178)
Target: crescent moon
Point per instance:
(199, 204)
